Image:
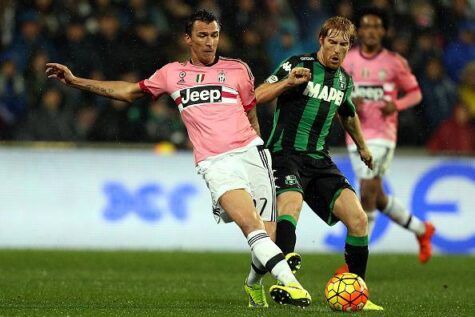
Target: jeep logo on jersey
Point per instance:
(201, 94)
(373, 93)
(329, 94)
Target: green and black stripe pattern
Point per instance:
(304, 114)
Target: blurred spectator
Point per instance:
(48, 16)
(440, 94)
(35, 79)
(451, 14)
(245, 15)
(51, 121)
(283, 45)
(110, 47)
(12, 97)
(344, 8)
(467, 88)
(425, 47)
(310, 15)
(117, 122)
(142, 10)
(7, 25)
(102, 39)
(144, 47)
(251, 49)
(455, 135)
(401, 44)
(29, 40)
(77, 49)
(461, 51)
(84, 121)
(423, 15)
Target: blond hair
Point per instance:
(340, 24)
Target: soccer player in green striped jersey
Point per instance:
(312, 89)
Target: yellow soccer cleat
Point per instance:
(257, 296)
(292, 294)
(372, 306)
(294, 260)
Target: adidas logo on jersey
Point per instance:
(201, 94)
(374, 93)
(329, 94)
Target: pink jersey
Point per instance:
(376, 79)
(212, 100)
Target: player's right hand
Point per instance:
(59, 72)
(298, 76)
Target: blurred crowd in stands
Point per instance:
(130, 39)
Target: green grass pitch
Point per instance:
(119, 283)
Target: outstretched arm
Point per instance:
(119, 90)
(269, 91)
(353, 127)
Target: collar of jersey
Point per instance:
(216, 60)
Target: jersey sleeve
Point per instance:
(156, 85)
(246, 88)
(405, 79)
(347, 107)
(283, 70)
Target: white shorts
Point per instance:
(382, 157)
(250, 170)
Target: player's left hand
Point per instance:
(366, 157)
(389, 108)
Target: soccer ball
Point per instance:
(346, 292)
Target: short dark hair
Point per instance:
(200, 15)
(380, 13)
(339, 24)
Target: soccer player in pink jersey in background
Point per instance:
(380, 76)
(215, 96)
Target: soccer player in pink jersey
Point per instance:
(379, 76)
(215, 96)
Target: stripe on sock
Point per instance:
(256, 238)
(258, 270)
(273, 261)
(357, 241)
(406, 225)
(288, 218)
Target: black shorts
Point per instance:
(319, 180)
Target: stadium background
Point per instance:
(115, 169)
(83, 173)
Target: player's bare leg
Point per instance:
(369, 190)
(348, 208)
(239, 206)
(289, 205)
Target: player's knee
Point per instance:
(291, 208)
(251, 224)
(358, 224)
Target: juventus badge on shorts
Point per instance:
(182, 75)
(221, 76)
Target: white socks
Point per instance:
(396, 211)
(270, 256)
(257, 271)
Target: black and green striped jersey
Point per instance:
(304, 114)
